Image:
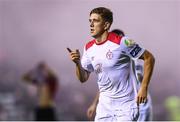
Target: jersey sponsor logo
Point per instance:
(109, 55)
(98, 68)
(135, 51)
(129, 42)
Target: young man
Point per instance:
(109, 56)
(47, 84)
(145, 109)
(92, 108)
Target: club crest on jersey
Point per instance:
(109, 55)
(129, 42)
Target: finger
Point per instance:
(89, 114)
(75, 56)
(69, 50)
(141, 99)
(74, 53)
(144, 100)
(137, 101)
(77, 50)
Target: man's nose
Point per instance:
(91, 24)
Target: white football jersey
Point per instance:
(111, 61)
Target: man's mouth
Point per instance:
(92, 30)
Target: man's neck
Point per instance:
(102, 38)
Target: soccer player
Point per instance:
(145, 109)
(110, 56)
(92, 108)
(47, 83)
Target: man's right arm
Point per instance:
(81, 73)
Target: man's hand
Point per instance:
(91, 112)
(74, 55)
(142, 95)
(81, 73)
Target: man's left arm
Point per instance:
(149, 62)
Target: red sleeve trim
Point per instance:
(114, 38)
(89, 44)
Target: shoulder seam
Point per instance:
(89, 44)
(114, 38)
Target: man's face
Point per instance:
(97, 25)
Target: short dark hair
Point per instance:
(105, 13)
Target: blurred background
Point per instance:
(36, 30)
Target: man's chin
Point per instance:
(93, 35)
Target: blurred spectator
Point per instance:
(46, 81)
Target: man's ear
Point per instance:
(107, 25)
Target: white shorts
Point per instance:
(109, 111)
(145, 114)
(131, 115)
(145, 111)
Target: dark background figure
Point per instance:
(46, 82)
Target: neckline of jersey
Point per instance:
(100, 43)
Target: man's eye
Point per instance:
(96, 20)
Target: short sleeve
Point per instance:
(86, 62)
(131, 48)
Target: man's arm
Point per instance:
(81, 73)
(27, 77)
(92, 108)
(149, 62)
